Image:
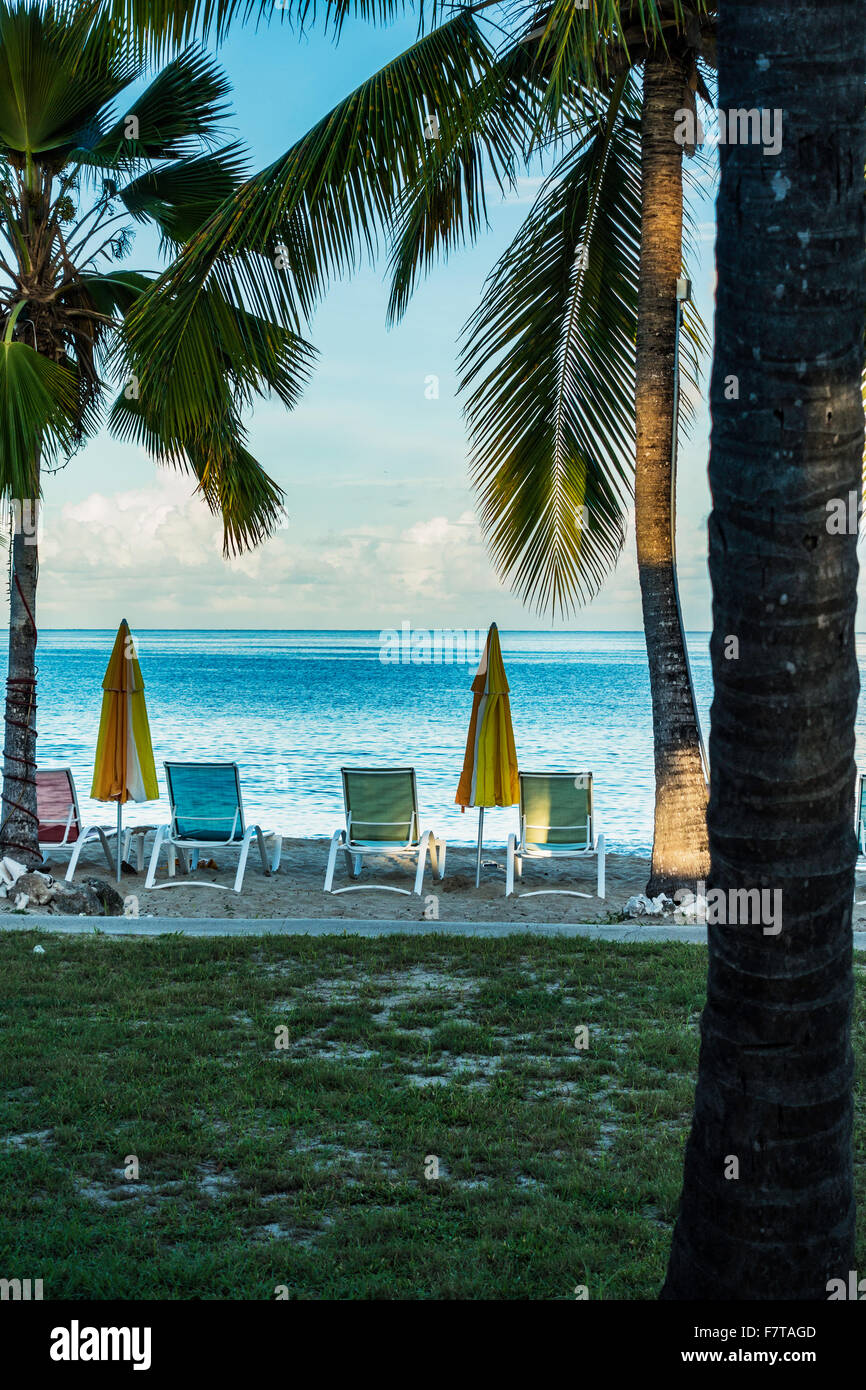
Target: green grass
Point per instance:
(304, 1166)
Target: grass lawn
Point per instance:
(304, 1166)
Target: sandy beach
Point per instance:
(296, 889)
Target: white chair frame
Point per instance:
(86, 833)
(417, 844)
(178, 845)
(520, 847)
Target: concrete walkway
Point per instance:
(342, 926)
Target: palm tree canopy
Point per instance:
(81, 164)
(406, 160)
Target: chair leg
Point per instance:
(422, 862)
(336, 840)
(158, 842)
(354, 865)
(74, 857)
(437, 856)
(260, 841)
(278, 853)
(601, 882)
(106, 849)
(509, 865)
(242, 862)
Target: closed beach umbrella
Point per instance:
(489, 776)
(124, 769)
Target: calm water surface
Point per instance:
(291, 707)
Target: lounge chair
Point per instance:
(60, 819)
(207, 814)
(556, 822)
(382, 818)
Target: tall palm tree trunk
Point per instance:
(767, 1208)
(680, 854)
(19, 826)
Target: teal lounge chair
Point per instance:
(557, 821)
(207, 813)
(382, 818)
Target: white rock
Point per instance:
(39, 950)
(11, 870)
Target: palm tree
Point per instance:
(578, 322)
(75, 178)
(768, 1206)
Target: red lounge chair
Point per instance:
(60, 818)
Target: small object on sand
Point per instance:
(11, 870)
(642, 906)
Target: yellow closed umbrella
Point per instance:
(124, 769)
(489, 776)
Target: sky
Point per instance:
(381, 525)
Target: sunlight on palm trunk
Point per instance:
(767, 1208)
(680, 854)
(19, 835)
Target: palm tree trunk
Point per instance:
(19, 827)
(680, 854)
(767, 1208)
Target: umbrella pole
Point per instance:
(119, 821)
(480, 841)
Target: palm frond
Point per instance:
(180, 197)
(313, 212)
(446, 205)
(59, 67)
(220, 358)
(233, 484)
(39, 410)
(181, 109)
(548, 359)
(162, 23)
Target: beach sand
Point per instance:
(296, 889)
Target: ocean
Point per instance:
(292, 707)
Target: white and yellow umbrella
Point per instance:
(124, 769)
(489, 776)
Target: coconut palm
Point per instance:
(768, 1204)
(578, 321)
(81, 164)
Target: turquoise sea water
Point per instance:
(292, 707)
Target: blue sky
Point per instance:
(381, 524)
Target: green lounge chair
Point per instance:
(382, 818)
(557, 821)
(207, 813)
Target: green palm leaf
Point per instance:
(38, 415)
(318, 208)
(233, 484)
(58, 68)
(181, 108)
(180, 197)
(549, 359)
(446, 205)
